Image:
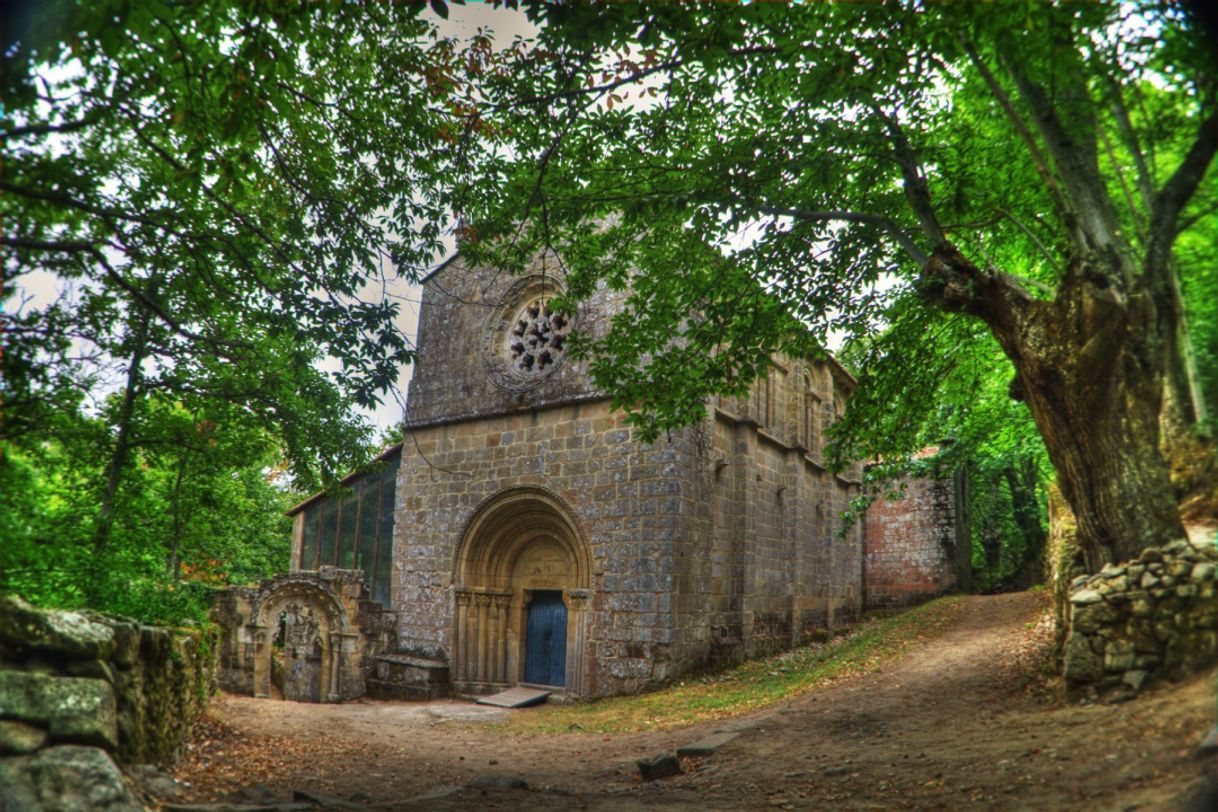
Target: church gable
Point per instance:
(491, 343)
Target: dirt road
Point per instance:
(947, 726)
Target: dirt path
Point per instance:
(944, 727)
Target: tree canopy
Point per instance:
(1025, 168)
(204, 202)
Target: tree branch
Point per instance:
(1021, 128)
(46, 129)
(916, 189)
(1035, 240)
(133, 290)
(917, 254)
(1179, 189)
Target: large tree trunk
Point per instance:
(1091, 367)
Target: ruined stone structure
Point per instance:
(308, 636)
(81, 691)
(917, 546)
(539, 541)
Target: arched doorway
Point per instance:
(305, 625)
(522, 579)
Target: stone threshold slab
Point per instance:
(517, 697)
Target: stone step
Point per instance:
(707, 746)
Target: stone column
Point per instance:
(502, 602)
(461, 647)
(336, 657)
(483, 602)
(577, 611)
(262, 660)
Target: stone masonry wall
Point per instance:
(1129, 624)
(80, 690)
(631, 499)
(718, 542)
(911, 547)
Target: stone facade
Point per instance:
(1134, 622)
(518, 483)
(917, 546)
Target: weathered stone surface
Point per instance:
(1118, 656)
(139, 708)
(706, 746)
(155, 782)
(94, 669)
(70, 635)
(126, 643)
(19, 738)
(1167, 626)
(661, 766)
(495, 781)
(1091, 617)
(1134, 679)
(327, 801)
(73, 709)
(67, 778)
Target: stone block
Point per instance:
(19, 738)
(1081, 664)
(1086, 597)
(68, 635)
(707, 745)
(67, 778)
(662, 766)
(73, 709)
(1119, 656)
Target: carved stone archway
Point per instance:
(519, 542)
(315, 625)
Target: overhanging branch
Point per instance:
(900, 237)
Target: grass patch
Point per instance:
(750, 685)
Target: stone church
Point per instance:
(522, 534)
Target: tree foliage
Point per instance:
(198, 508)
(1030, 168)
(214, 188)
(203, 203)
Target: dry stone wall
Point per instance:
(81, 690)
(1132, 623)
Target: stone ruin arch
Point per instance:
(314, 625)
(519, 543)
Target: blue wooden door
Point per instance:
(545, 640)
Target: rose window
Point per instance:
(536, 338)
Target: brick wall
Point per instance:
(912, 550)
